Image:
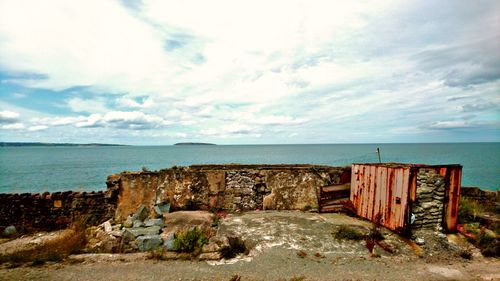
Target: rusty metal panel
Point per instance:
(452, 198)
(380, 194)
(385, 193)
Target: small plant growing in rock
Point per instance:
(190, 241)
(344, 232)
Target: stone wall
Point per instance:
(429, 205)
(45, 212)
(230, 187)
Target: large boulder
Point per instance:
(183, 220)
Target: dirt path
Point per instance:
(274, 265)
(277, 238)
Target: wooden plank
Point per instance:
(332, 188)
(331, 209)
(334, 201)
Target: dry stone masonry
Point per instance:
(429, 206)
(51, 211)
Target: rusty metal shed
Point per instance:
(386, 193)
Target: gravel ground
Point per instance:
(277, 239)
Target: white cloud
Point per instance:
(278, 120)
(132, 103)
(14, 126)
(37, 128)
(449, 125)
(254, 69)
(133, 120)
(87, 105)
(8, 116)
(103, 47)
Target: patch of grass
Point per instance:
(345, 232)
(489, 243)
(306, 208)
(236, 246)
(468, 210)
(190, 241)
(375, 234)
(216, 221)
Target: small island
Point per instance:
(194, 143)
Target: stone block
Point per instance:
(168, 240)
(107, 226)
(148, 242)
(129, 222)
(423, 190)
(157, 211)
(138, 223)
(142, 212)
(153, 222)
(429, 205)
(127, 235)
(164, 207)
(143, 231)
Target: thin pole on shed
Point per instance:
(378, 152)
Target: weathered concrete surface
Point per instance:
(302, 231)
(231, 187)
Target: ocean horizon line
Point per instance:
(36, 143)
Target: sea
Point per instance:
(84, 168)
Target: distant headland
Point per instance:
(55, 144)
(194, 143)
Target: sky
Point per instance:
(249, 72)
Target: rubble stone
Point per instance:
(148, 242)
(142, 212)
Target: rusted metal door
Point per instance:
(381, 193)
(453, 176)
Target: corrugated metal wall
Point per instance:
(453, 177)
(380, 194)
(384, 193)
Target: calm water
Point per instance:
(39, 169)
